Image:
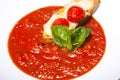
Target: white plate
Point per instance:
(107, 14)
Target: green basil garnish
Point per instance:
(70, 39)
(79, 35)
(61, 36)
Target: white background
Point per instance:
(108, 15)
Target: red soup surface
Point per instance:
(48, 61)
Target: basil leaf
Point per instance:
(61, 36)
(79, 35)
(70, 39)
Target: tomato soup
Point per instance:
(49, 61)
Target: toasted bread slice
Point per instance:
(89, 6)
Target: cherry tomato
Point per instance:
(61, 21)
(75, 13)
